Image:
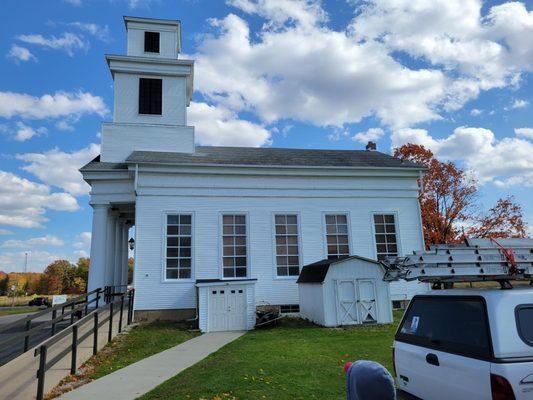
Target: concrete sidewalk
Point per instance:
(137, 379)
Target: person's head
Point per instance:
(368, 380)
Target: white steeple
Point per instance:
(153, 89)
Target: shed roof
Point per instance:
(270, 156)
(317, 271)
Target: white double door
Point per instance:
(356, 301)
(227, 308)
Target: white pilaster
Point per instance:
(119, 244)
(126, 229)
(110, 250)
(97, 268)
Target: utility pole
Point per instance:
(25, 262)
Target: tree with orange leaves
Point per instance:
(505, 219)
(447, 199)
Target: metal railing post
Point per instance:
(121, 314)
(74, 349)
(130, 306)
(54, 316)
(110, 333)
(41, 373)
(98, 296)
(27, 337)
(72, 313)
(95, 333)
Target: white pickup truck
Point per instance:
(467, 344)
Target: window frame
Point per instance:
(158, 43)
(221, 215)
(413, 340)
(164, 278)
(517, 321)
(397, 227)
(274, 246)
(324, 230)
(158, 78)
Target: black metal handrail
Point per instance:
(42, 350)
(78, 306)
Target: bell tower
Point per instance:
(152, 90)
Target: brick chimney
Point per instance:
(371, 146)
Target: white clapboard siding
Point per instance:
(260, 198)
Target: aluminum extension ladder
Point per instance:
(474, 260)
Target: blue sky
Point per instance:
(452, 75)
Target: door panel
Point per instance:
(367, 301)
(454, 378)
(227, 309)
(346, 302)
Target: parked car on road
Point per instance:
(40, 301)
(473, 344)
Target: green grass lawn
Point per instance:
(17, 310)
(293, 361)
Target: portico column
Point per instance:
(110, 250)
(117, 277)
(124, 266)
(97, 268)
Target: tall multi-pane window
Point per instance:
(234, 257)
(386, 239)
(287, 257)
(179, 246)
(337, 235)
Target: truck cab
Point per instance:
(467, 344)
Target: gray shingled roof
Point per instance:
(96, 165)
(268, 156)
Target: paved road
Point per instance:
(13, 350)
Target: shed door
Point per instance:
(227, 309)
(346, 302)
(367, 300)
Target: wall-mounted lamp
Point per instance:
(132, 243)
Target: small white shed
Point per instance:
(346, 291)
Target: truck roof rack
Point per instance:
(475, 260)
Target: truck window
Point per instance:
(524, 323)
(451, 324)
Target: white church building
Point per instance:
(221, 230)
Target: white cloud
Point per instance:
(475, 112)
(220, 126)
(5, 232)
(371, 134)
(519, 104)
(25, 132)
(23, 203)
(504, 162)
(63, 125)
(67, 42)
(58, 105)
(60, 169)
(76, 3)
(83, 240)
(524, 132)
(18, 54)
(296, 66)
(37, 260)
(47, 240)
(98, 31)
(309, 72)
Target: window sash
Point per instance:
(234, 246)
(286, 242)
(386, 236)
(150, 96)
(151, 42)
(337, 235)
(178, 247)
